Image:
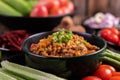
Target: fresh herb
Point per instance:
(81, 42)
(62, 36)
(84, 42)
(78, 42)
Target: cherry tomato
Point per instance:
(107, 66)
(39, 11)
(115, 78)
(113, 38)
(119, 42)
(70, 6)
(103, 73)
(52, 4)
(116, 74)
(114, 30)
(56, 12)
(65, 10)
(119, 35)
(105, 33)
(91, 78)
(62, 2)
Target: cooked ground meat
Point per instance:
(76, 46)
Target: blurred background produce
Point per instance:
(101, 20)
(12, 40)
(68, 24)
(112, 35)
(36, 8)
(34, 15)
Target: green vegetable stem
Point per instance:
(27, 72)
(111, 58)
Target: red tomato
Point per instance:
(115, 78)
(70, 6)
(57, 12)
(119, 35)
(113, 38)
(52, 4)
(116, 74)
(65, 10)
(107, 66)
(39, 11)
(119, 42)
(62, 2)
(91, 78)
(114, 30)
(105, 33)
(103, 73)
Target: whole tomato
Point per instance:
(107, 66)
(105, 33)
(70, 6)
(52, 4)
(65, 10)
(103, 73)
(56, 12)
(91, 78)
(62, 3)
(115, 78)
(39, 11)
(116, 74)
(119, 42)
(114, 30)
(113, 38)
(119, 35)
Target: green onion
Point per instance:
(62, 36)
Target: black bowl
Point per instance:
(79, 66)
(32, 24)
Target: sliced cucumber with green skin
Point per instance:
(10, 74)
(20, 5)
(27, 72)
(4, 76)
(7, 10)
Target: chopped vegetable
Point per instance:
(62, 36)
